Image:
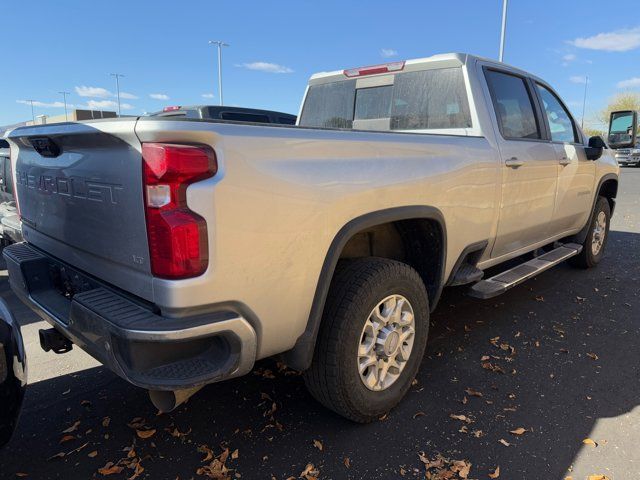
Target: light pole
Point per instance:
(584, 99)
(504, 28)
(220, 44)
(33, 116)
(118, 75)
(64, 96)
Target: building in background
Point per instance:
(73, 115)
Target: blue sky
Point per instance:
(161, 47)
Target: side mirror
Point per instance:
(623, 128)
(594, 150)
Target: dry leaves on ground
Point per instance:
(317, 444)
(217, 468)
(146, 433)
(462, 418)
(473, 393)
(73, 427)
(495, 473)
(504, 442)
(518, 431)
(310, 472)
(588, 441)
(442, 468)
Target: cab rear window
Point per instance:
(420, 100)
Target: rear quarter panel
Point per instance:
(281, 195)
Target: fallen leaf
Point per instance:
(504, 442)
(73, 427)
(106, 421)
(235, 454)
(462, 418)
(495, 473)
(461, 467)
(21, 474)
(109, 469)
(518, 431)
(472, 392)
(310, 472)
(67, 438)
(57, 455)
(592, 356)
(146, 433)
(85, 403)
(347, 462)
(92, 454)
(317, 444)
(588, 441)
(597, 477)
(418, 414)
(207, 451)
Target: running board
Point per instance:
(494, 286)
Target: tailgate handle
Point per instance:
(45, 146)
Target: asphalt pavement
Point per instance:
(563, 366)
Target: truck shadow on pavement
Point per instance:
(562, 350)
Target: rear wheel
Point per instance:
(596, 240)
(371, 340)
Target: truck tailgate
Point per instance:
(79, 188)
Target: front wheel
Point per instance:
(371, 340)
(596, 240)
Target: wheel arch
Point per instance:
(608, 188)
(301, 355)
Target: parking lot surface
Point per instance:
(562, 373)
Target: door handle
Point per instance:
(565, 161)
(513, 162)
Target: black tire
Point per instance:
(586, 258)
(357, 287)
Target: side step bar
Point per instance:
(494, 286)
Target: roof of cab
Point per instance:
(441, 60)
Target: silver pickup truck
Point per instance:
(178, 251)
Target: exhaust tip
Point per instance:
(168, 400)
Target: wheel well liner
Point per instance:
(301, 355)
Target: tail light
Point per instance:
(172, 108)
(177, 236)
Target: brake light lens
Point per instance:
(172, 108)
(177, 236)
(374, 69)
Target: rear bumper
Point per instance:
(143, 347)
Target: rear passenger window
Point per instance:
(430, 99)
(560, 123)
(513, 105)
(329, 105)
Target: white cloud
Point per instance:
(569, 57)
(388, 52)
(99, 92)
(578, 79)
(616, 41)
(94, 92)
(107, 104)
(159, 96)
(630, 83)
(208, 95)
(45, 104)
(265, 67)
